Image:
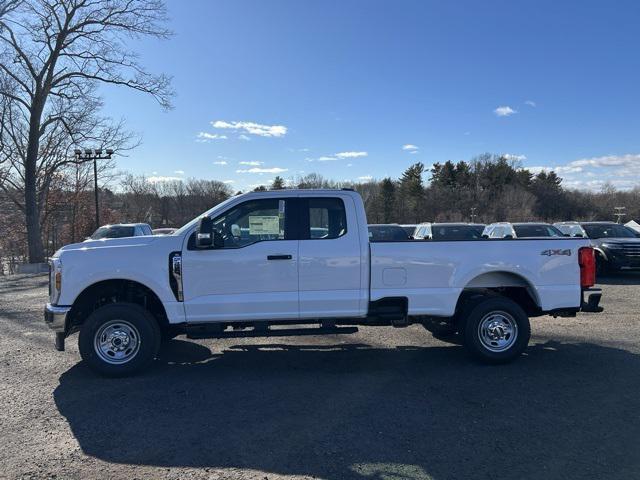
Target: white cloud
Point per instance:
(255, 164)
(207, 137)
(349, 164)
(263, 170)
(365, 178)
(220, 162)
(327, 159)
(244, 137)
(179, 172)
(517, 158)
(621, 171)
(351, 154)
(504, 111)
(252, 128)
(160, 179)
(531, 103)
(256, 185)
(628, 160)
(409, 147)
(229, 181)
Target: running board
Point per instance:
(210, 331)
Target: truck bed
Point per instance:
(432, 274)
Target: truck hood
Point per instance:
(171, 242)
(616, 241)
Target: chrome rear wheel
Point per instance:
(497, 331)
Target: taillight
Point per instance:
(587, 262)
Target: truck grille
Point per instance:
(631, 249)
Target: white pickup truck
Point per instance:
(299, 262)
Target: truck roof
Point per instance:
(295, 191)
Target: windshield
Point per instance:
(456, 232)
(193, 222)
(607, 231)
(524, 231)
(113, 232)
(409, 229)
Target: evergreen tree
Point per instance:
(278, 183)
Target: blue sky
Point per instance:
(339, 87)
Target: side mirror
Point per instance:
(566, 235)
(579, 235)
(508, 237)
(206, 236)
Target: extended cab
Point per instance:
(299, 262)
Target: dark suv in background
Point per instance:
(616, 246)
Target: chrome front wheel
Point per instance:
(117, 342)
(119, 339)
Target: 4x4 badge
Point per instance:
(549, 253)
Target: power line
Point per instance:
(619, 212)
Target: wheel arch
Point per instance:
(105, 292)
(502, 283)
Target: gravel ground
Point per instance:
(381, 404)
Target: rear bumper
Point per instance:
(592, 302)
(56, 317)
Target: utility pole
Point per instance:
(87, 155)
(473, 214)
(619, 212)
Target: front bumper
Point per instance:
(592, 304)
(56, 317)
(621, 260)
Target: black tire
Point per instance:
(496, 330)
(119, 322)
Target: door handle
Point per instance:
(279, 257)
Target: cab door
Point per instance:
(254, 276)
(330, 262)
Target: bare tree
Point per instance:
(53, 55)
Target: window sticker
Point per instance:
(264, 225)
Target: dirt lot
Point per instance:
(382, 404)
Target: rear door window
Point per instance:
(322, 218)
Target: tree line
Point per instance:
(485, 189)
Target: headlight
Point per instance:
(55, 280)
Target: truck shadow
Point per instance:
(355, 411)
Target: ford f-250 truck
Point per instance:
(299, 262)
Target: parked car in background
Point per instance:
(635, 232)
(388, 232)
(456, 231)
(422, 231)
(121, 230)
(448, 231)
(409, 228)
(633, 225)
(616, 246)
(164, 231)
(521, 230)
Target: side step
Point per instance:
(215, 331)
